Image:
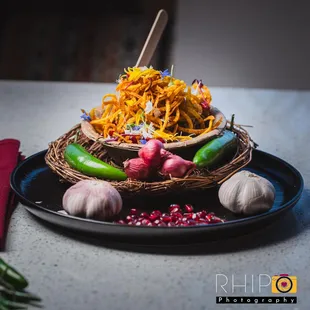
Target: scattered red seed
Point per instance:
(133, 211)
(145, 222)
(175, 217)
(188, 215)
(128, 218)
(191, 222)
(156, 222)
(144, 215)
(174, 208)
(166, 218)
(188, 208)
(162, 224)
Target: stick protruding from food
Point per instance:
(153, 39)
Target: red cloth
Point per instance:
(9, 158)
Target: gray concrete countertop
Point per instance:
(70, 273)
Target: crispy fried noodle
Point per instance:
(153, 104)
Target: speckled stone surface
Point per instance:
(70, 273)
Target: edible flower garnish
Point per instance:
(165, 73)
(148, 108)
(199, 87)
(85, 117)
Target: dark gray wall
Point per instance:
(243, 43)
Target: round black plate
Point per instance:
(40, 190)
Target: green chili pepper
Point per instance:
(216, 151)
(78, 158)
(10, 276)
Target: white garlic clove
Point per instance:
(92, 199)
(247, 193)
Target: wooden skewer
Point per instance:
(153, 39)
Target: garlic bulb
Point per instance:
(92, 199)
(247, 193)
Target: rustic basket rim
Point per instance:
(55, 160)
(90, 132)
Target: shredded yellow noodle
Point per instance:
(153, 104)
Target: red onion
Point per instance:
(137, 169)
(176, 166)
(164, 154)
(150, 153)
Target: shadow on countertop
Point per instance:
(289, 226)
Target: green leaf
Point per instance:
(11, 304)
(18, 295)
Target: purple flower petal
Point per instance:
(165, 73)
(85, 117)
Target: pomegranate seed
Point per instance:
(166, 218)
(156, 222)
(209, 217)
(188, 215)
(216, 219)
(153, 217)
(145, 222)
(184, 224)
(174, 208)
(191, 222)
(144, 215)
(195, 217)
(188, 208)
(177, 214)
(155, 214)
(128, 218)
(175, 217)
(202, 213)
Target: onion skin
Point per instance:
(177, 167)
(138, 169)
(92, 199)
(151, 153)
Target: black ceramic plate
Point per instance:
(34, 182)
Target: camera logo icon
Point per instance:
(284, 283)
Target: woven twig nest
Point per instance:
(121, 151)
(197, 180)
